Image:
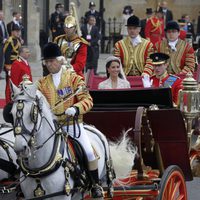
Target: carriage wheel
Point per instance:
(195, 162)
(172, 185)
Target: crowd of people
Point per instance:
(154, 48)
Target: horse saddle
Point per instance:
(77, 150)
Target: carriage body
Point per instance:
(160, 135)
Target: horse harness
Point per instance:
(9, 167)
(71, 166)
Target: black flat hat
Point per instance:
(149, 11)
(159, 58)
(172, 25)
(133, 21)
(51, 50)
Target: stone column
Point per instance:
(33, 29)
(8, 10)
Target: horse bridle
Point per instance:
(20, 128)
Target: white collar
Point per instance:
(16, 22)
(23, 60)
(172, 44)
(135, 41)
(56, 78)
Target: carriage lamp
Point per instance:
(189, 102)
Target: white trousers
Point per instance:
(83, 139)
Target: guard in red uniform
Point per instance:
(73, 47)
(154, 29)
(20, 68)
(162, 78)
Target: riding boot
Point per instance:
(96, 190)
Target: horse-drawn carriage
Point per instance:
(159, 130)
(161, 164)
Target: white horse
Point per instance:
(43, 156)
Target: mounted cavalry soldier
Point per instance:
(73, 47)
(57, 86)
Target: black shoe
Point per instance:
(96, 191)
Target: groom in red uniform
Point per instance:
(162, 78)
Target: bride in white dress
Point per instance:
(116, 78)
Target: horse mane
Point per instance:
(45, 102)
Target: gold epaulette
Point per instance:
(80, 40)
(58, 37)
(84, 41)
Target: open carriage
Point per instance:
(159, 131)
(162, 164)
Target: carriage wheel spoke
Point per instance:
(176, 189)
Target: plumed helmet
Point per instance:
(172, 25)
(70, 21)
(91, 4)
(51, 50)
(133, 21)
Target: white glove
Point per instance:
(146, 81)
(70, 111)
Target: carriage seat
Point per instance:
(94, 80)
(135, 81)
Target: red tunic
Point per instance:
(182, 35)
(75, 49)
(182, 60)
(18, 69)
(169, 81)
(79, 59)
(154, 30)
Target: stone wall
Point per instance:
(113, 8)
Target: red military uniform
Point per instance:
(18, 69)
(154, 30)
(183, 34)
(74, 49)
(182, 60)
(167, 80)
